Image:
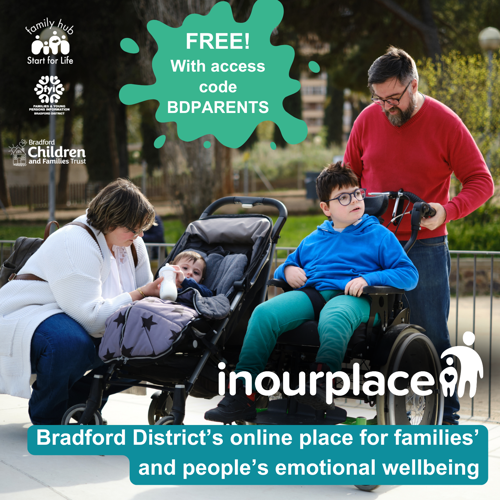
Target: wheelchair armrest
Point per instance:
(382, 290)
(280, 284)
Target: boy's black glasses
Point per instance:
(392, 101)
(345, 198)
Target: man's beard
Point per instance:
(401, 117)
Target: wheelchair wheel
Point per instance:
(168, 420)
(75, 412)
(366, 487)
(160, 406)
(412, 352)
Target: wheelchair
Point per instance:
(389, 345)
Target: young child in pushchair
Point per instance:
(349, 251)
(190, 268)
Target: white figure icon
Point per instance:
(54, 42)
(449, 385)
(36, 46)
(470, 362)
(55, 45)
(64, 45)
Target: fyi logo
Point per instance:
(49, 89)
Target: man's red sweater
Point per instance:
(419, 157)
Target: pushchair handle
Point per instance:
(248, 202)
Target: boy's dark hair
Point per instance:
(335, 176)
(394, 63)
(191, 256)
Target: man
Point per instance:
(411, 141)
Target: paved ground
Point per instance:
(27, 477)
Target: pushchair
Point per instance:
(190, 367)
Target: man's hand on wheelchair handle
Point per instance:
(295, 276)
(355, 287)
(436, 221)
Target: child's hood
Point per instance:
(361, 226)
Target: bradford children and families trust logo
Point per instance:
(43, 151)
(53, 40)
(470, 367)
(18, 154)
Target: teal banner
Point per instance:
(280, 454)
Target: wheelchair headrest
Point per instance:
(376, 205)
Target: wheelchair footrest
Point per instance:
(278, 413)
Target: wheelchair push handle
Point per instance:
(420, 210)
(427, 210)
(249, 202)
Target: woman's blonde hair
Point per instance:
(120, 204)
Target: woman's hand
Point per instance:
(295, 276)
(150, 290)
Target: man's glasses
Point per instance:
(392, 101)
(345, 198)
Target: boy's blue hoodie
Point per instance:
(365, 249)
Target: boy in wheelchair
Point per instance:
(349, 251)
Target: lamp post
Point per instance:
(489, 40)
(45, 37)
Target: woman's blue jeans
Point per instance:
(61, 352)
(430, 301)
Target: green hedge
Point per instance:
(478, 231)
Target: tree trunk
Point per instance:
(4, 190)
(121, 138)
(62, 186)
(334, 114)
(223, 174)
(195, 193)
(228, 184)
(113, 147)
(95, 134)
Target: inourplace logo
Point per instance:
(374, 382)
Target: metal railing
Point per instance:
(475, 306)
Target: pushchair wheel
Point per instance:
(160, 406)
(366, 487)
(75, 412)
(168, 420)
(412, 352)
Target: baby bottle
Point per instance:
(168, 289)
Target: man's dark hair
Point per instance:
(394, 63)
(335, 176)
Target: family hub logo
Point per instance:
(49, 89)
(374, 381)
(51, 41)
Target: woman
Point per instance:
(52, 314)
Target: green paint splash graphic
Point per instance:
(217, 76)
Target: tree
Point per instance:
(334, 113)
(4, 192)
(461, 82)
(187, 165)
